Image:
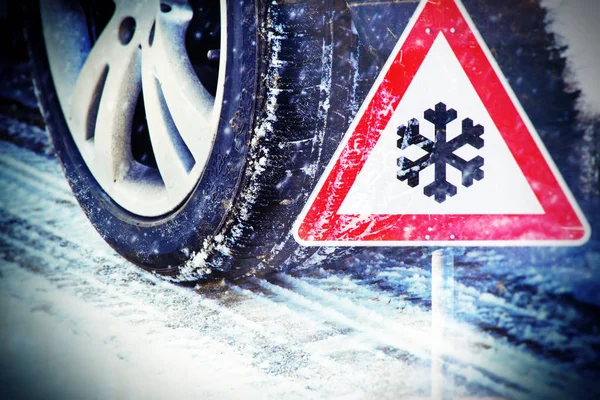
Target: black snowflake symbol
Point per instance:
(440, 153)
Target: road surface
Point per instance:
(78, 321)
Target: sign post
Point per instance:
(442, 154)
(442, 315)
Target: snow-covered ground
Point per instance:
(85, 322)
(78, 321)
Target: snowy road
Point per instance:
(78, 321)
(84, 321)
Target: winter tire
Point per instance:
(192, 133)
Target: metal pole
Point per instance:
(442, 311)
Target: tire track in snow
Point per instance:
(162, 358)
(498, 365)
(38, 179)
(333, 341)
(130, 299)
(411, 340)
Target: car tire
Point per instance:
(282, 114)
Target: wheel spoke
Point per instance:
(189, 103)
(104, 101)
(173, 157)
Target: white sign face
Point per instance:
(441, 153)
(439, 79)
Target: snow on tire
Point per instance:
(192, 136)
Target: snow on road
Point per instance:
(85, 322)
(78, 321)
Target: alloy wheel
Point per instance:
(140, 85)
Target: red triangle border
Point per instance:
(561, 224)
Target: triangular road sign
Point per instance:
(441, 153)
